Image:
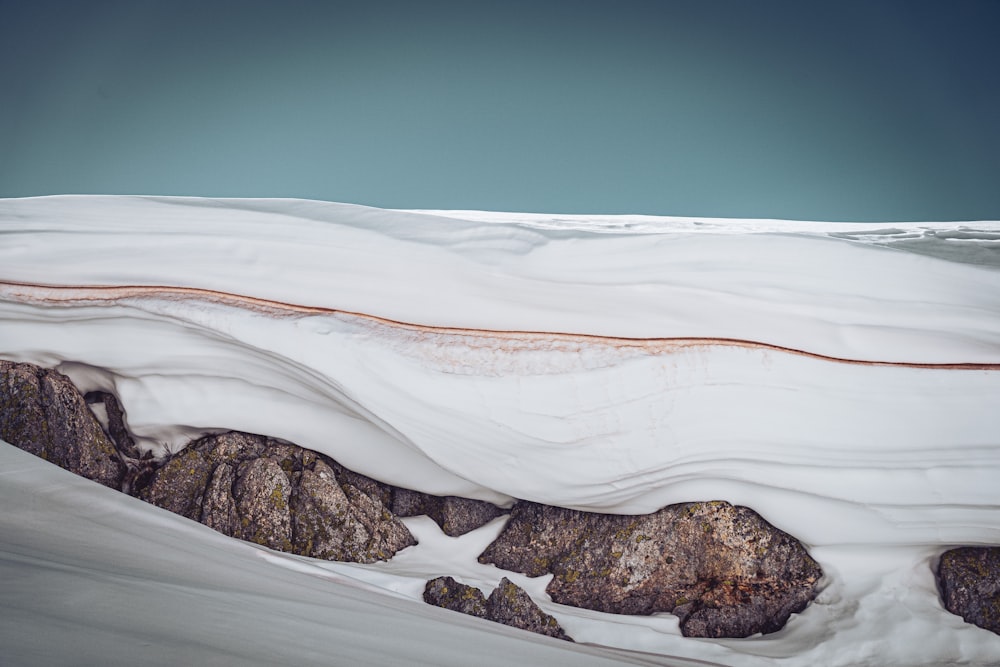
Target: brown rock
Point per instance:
(42, 413)
(461, 515)
(448, 593)
(279, 495)
(969, 580)
(323, 525)
(116, 421)
(511, 605)
(139, 466)
(723, 569)
(455, 515)
(405, 502)
(335, 521)
(179, 485)
(386, 534)
(508, 604)
(261, 492)
(218, 508)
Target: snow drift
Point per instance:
(840, 379)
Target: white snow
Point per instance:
(609, 363)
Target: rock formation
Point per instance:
(456, 516)
(246, 486)
(969, 580)
(448, 593)
(511, 605)
(508, 604)
(42, 413)
(139, 466)
(280, 495)
(722, 569)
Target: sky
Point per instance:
(848, 110)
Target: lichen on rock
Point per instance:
(447, 593)
(511, 605)
(721, 568)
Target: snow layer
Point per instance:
(841, 379)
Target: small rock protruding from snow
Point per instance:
(508, 604)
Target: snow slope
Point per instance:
(841, 379)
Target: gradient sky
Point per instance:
(846, 110)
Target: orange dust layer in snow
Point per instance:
(104, 294)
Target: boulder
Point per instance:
(279, 495)
(42, 413)
(511, 605)
(508, 604)
(448, 593)
(969, 581)
(721, 568)
(455, 515)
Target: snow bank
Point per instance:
(841, 379)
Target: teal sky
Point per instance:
(847, 110)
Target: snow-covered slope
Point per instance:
(841, 379)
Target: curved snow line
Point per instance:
(40, 294)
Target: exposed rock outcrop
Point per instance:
(722, 569)
(511, 605)
(969, 580)
(246, 486)
(280, 495)
(448, 593)
(456, 515)
(508, 604)
(42, 413)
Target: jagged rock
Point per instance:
(722, 569)
(42, 413)
(456, 515)
(139, 466)
(280, 495)
(218, 507)
(323, 525)
(335, 521)
(508, 604)
(366, 485)
(511, 605)
(261, 492)
(969, 580)
(116, 421)
(461, 515)
(448, 593)
(410, 503)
